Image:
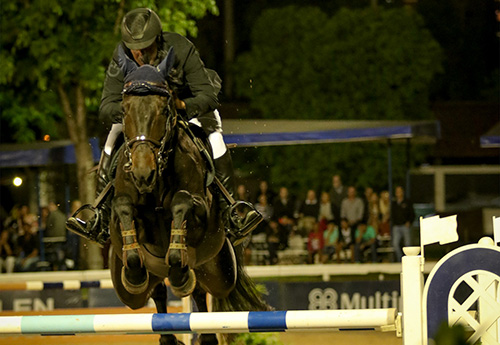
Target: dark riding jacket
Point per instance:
(194, 84)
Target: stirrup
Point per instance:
(89, 230)
(242, 224)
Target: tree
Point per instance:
(54, 56)
(357, 64)
(363, 64)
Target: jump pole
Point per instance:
(214, 322)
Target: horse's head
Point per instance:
(149, 118)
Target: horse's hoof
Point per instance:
(187, 288)
(135, 285)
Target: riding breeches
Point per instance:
(211, 123)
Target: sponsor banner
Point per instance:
(281, 295)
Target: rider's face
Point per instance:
(146, 55)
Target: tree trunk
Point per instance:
(76, 116)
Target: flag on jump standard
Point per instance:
(435, 229)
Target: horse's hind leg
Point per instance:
(181, 277)
(200, 298)
(160, 297)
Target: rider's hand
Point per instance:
(179, 104)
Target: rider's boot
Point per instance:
(96, 229)
(241, 218)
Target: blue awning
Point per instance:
(491, 139)
(299, 132)
(247, 133)
(43, 153)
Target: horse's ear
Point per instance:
(168, 62)
(126, 64)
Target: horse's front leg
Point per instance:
(181, 276)
(134, 274)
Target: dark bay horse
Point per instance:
(165, 221)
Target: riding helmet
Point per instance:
(140, 27)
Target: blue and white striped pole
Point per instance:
(215, 322)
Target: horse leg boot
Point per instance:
(135, 277)
(181, 276)
(241, 218)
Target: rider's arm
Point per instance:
(110, 110)
(204, 84)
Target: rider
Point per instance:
(196, 88)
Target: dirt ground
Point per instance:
(338, 338)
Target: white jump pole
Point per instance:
(215, 322)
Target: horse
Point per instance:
(165, 221)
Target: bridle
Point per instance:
(160, 148)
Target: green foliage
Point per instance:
(364, 64)
(257, 339)
(47, 43)
(358, 64)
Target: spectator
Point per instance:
(73, 240)
(242, 193)
(337, 194)
(366, 203)
(308, 213)
(265, 190)
(325, 213)
(352, 208)
(331, 237)
(374, 212)
(402, 216)
(266, 211)
(283, 207)
(345, 241)
(55, 236)
(273, 242)
(7, 251)
(28, 246)
(315, 244)
(365, 238)
(27, 218)
(385, 214)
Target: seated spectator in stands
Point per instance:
(345, 241)
(265, 190)
(325, 213)
(7, 251)
(331, 237)
(273, 242)
(352, 208)
(28, 246)
(308, 213)
(365, 239)
(283, 209)
(315, 244)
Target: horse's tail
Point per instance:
(245, 295)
